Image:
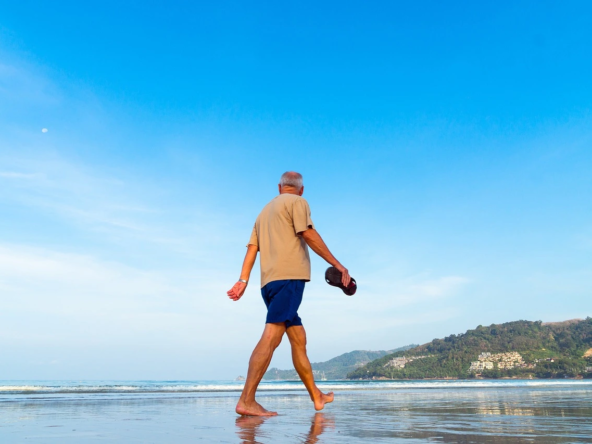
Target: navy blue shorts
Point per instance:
(282, 299)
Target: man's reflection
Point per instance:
(319, 422)
(249, 428)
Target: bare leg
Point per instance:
(297, 337)
(260, 359)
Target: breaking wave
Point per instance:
(106, 387)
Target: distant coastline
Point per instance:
(336, 368)
(520, 350)
(513, 350)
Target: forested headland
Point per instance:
(521, 349)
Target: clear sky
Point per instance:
(446, 149)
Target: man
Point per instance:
(281, 233)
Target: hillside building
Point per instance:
(400, 362)
(503, 361)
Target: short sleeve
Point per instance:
(254, 239)
(301, 216)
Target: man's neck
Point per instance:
(289, 190)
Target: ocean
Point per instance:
(479, 411)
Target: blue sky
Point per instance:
(446, 150)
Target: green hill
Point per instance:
(514, 349)
(336, 368)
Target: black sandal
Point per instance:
(333, 278)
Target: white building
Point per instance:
(479, 366)
(397, 363)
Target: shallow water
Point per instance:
(460, 413)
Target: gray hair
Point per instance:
(291, 179)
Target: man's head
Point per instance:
(291, 182)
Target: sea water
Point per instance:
(487, 411)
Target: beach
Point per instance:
(381, 411)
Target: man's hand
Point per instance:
(316, 242)
(236, 292)
(345, 277)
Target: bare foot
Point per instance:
(252, 409)
(321, 399)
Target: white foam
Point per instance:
(228, 386)
(20, 388)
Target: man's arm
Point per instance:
(316, 243)
(236, 292)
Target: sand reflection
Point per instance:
(319, 423)
(249, 428)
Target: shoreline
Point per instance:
(477, 378)
(112, 389)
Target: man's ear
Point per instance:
(280, 188)
(301, 191)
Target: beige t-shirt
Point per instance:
(284, 254)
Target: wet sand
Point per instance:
(491, 415)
